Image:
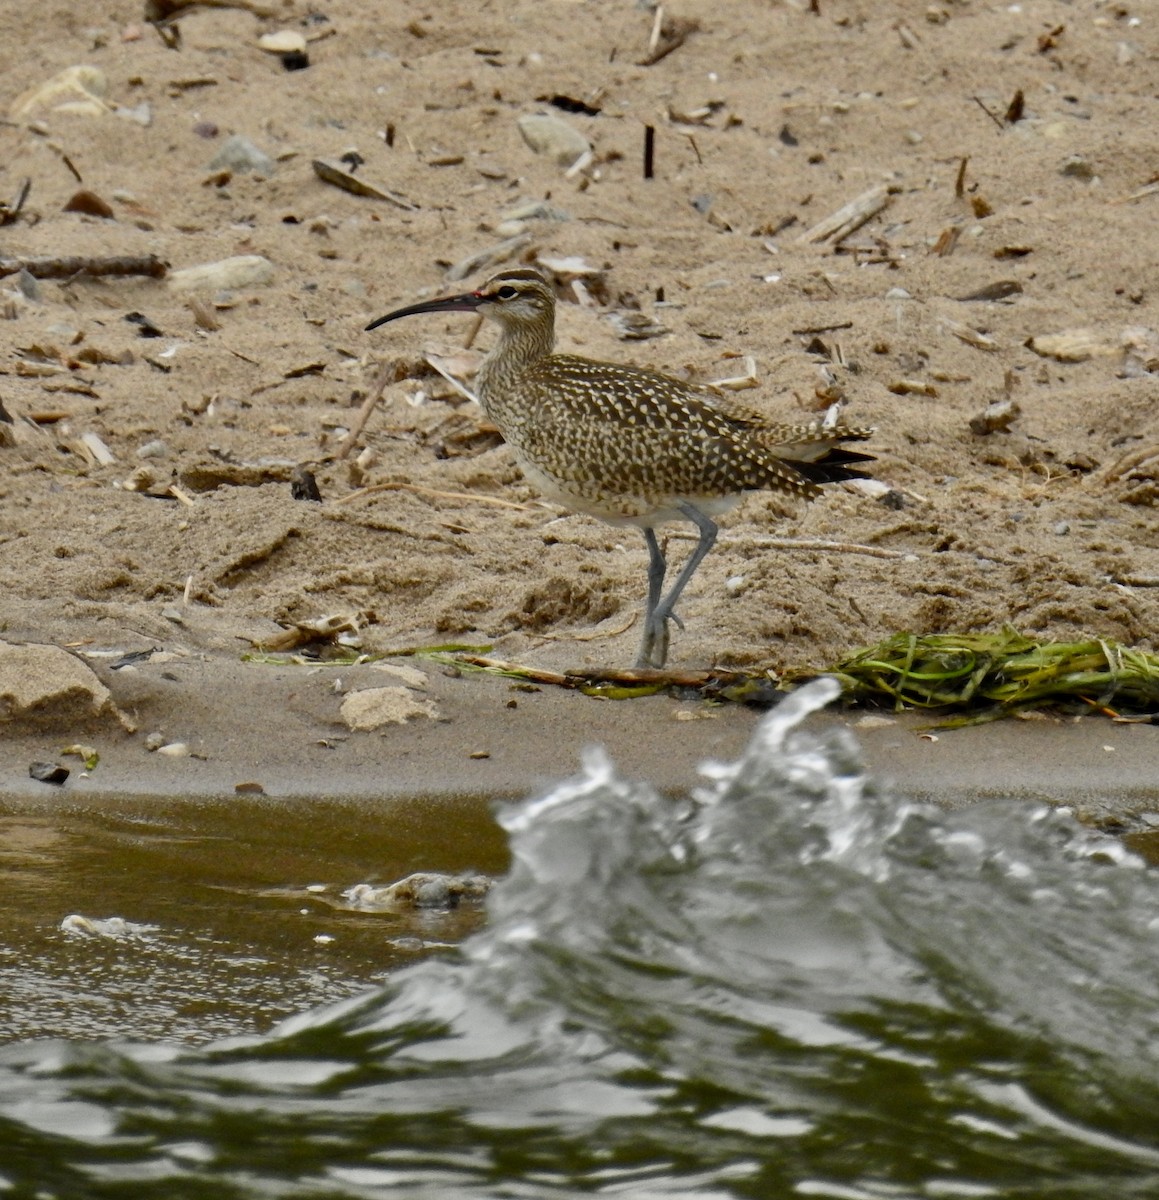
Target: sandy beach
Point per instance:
(994, 319)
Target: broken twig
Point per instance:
(385, 375)
(849, 217)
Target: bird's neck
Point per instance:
(520, 346)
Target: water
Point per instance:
(787, 984)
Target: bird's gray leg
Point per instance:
(655, 640)
(663, 612)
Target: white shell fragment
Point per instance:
(738, 383)
(96, 446)
(282, 41)
(79, 90)
(573, 265)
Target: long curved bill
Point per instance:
(465, 302)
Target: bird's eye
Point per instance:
(507, 293)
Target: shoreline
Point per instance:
(280, 729)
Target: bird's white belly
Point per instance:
(618, 509)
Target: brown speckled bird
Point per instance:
(631, 446)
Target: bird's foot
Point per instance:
(654, 647)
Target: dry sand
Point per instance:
(768, 118)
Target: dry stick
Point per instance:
(960, 182)
(649, 150)
(628, 676)
(997, 120)
(849, 217)
(384, 376)
(536, 674)
(434, 365)
(651, 675)
(426, 491)
(70, 265)
(808, 329)
(1136, 457)
(657, 24)
(1016, 109)
(1148, 189)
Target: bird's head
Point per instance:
(515, 298)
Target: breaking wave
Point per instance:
(788, 982)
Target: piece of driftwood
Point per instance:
(849, 217)
(626, 677)
(72, 265)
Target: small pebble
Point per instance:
(1060, 528)
(174, 750)
(154, 741)
(153, 449)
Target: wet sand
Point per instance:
(280, 727)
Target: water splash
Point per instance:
(789, 982)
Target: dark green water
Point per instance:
(236, 904)
(788, 983)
